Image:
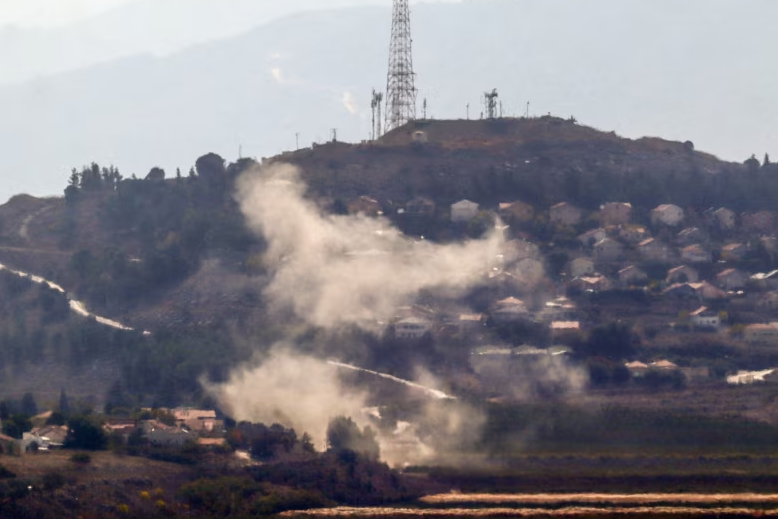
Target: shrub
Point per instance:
(81, 458)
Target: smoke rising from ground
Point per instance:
(292, 390)
(333, 270)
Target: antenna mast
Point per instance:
(375, 104)
(490, 100)
(400, 88)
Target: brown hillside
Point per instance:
(458, 159)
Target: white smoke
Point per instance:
(332, 270)
(293, 390)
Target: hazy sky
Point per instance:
(35, 13)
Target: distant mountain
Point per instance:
(698, 70)
(156, 27)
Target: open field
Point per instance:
(578, 512)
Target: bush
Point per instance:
(81, 458)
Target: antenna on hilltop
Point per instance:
(400, 85)
(490, 99)
(375, 104)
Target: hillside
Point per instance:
(176, 256)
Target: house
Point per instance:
(420, 206)
(732, 279)
(509, 310)
(565, 214)
(560, 309)
(724, 219)
(48, 437)
(703, 317)
(580, 267)
(632, 275)
(364, 205)
(761, 333)
(565, 331)
(664, 365)
(463, 211)
(203, 421)
(682, 274)
(637, 369)
(765, 280)
(734, 252)
(517, 212)
(667, 214)
(412, 328)
(591, 284)
(589, 238)
(695, 254)
(654, 250)
(608, 250)
(762, 221)
(616, 213)
(470, 323)
(690, 236)
(170, 437)
(708, 292)
(633, 234)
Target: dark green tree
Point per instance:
(344, 435)
(29, 406)
(614, 341)
(64, 405)
(84, 434)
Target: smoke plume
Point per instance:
(293, 390)
(332, 270)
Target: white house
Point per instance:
(704, 317)
(412, 328)
(667, 214)
(509, 310)
(463, 211)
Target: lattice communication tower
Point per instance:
(400, 87)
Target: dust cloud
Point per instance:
(293, 390)
(333, 270)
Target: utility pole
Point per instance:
(468, 111)
(424, 109)
(297, 140)
(400, 82)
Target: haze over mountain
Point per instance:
(696, 71)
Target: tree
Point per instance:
(29, 406)
(752, 163)
(766, 159)
(344, 435)
(613, 341)
(211, 168)
(5, 413)
(64, 405)
(156, 173)
(84, 434)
